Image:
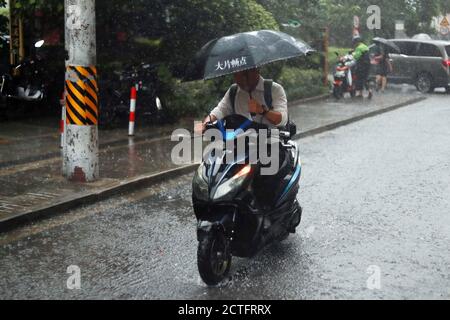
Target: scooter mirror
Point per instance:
(39, 44)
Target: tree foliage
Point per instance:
(311, 14)
(417, 15)
(157, 29)
(171, 31)
(3, 18)
(166, 31)
(26, 6)
(203, 20)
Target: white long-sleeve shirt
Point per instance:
(279, 104)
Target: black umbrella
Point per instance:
(389, 45)
(244, 51)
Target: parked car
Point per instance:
(423, 63)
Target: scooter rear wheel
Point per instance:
(213, 258)
(337, 92)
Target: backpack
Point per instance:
(291, 127)
(365, 58)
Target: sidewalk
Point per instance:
(30, 161)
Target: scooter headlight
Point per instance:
(199, 184)
(233, 183)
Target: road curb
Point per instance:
(147, 180)
(345, 122)
(307, 100)
(92, 197)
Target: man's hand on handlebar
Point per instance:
(254, 107)
(200, 127)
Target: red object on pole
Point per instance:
(133, 99)
(356, 26)
(133, 93)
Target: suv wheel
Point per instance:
(424, 83)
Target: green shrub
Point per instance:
(190, 99)
(312, 61)
(300, 84)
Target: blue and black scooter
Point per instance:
(239, 211)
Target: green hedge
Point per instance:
(196, 99)
(190, 99)
(300, 84)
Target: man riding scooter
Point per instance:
(249, 99)
(239, 207)
(244, 193)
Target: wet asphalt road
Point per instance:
(376, 196)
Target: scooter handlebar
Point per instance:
(254, 125)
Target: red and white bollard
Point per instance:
(132, 111)
(62, 123)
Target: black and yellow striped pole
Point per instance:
(80, 161)
(82, 96)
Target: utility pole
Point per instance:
(326, 43)
(80, 159)
(14, 35)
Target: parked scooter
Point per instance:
(26, 83)
(115, 96)
(344, 78)
(239, 211)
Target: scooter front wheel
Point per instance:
(213, 258)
